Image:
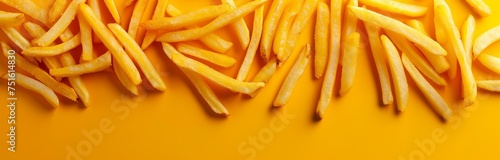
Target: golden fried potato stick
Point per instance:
(490, 62)
(485, 40)
(349, 25)
(380, 59)
(86, 38)
(211, 40)
(253, 46)
(209, 56)
(265, 74)
(186, 19)
(128, 3)
(75, 81)
(53, 50)
(37, 87)
(400, 28)
(135, 51)
(397, 7)
(30, 8)
(240, 26)
(436, 101)
(123, 78)
(284, 25)
(20, 41)
(94, 4)
(480, 7)
(467, 34)
(110, 4)
(443, 39)
(292, 78)
(490, 85)
(135, 20)
(397, 72)
(99, 64)
(159, 12)
(350, 58)
(61, 25)
(321, 37)
(270, 25)
(333, 60)
(111, 43)
(219, 22)
(57, 9)
(9, 19)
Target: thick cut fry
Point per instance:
(111, 43)
(110, 4)
(286, 22)
(490, 62)
(485, 40)
(270, 26)
(135, 20)
(186, 19)
(253, 46)
(397, 72)
(61, 25)
(75, 81)
(219, 22)
(379, 57)
(443, 39)
(265, 74)
(397, 7)
(95, 5)
(122, 77)
(53, 50)
(57, 10)
(490, 85)
(159, 12)
(350, 58)
(86, 38)
(30, 8)
(19, 40)
(437, 102)
(95, 65)
(292, 78)
(239, 26)
(333, 60)
(9, 19)
(215, 76)
(400, 28)
(37, 87)
(467, 34)
(138, 55)
(479, 7)
(209, 56)
(321, 34)
(350, 22)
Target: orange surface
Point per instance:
(177, 124)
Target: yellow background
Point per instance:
(177, 124)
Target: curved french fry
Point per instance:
(265, 74)
(321, 39)
(293, 76)
(9, 19)
(159, 12)
(53, 50)
(485, 40)
(284, 25)
(57, 10)
(37, 87)
(122, 77)
(479, 7)
(397, 72)
(186, 19)
(30, 8)
(270, 25)
(350, 58)
(212, 57)
(240, 26)
(467, 34)
(490, 62)
(95, 65)
(135, 20)
(75, 81)
(397, 7)
(253, 46)
(490, 85)
(110, 4)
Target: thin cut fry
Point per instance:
(350, 22)
(95, 65)
(30, 8)
(397, 72)
(135, 20)
(186, 19)
(53, 50)
(20, 41)
(292, 78)
(479, 7)
(95, 5)
(209, 56)
(61, 25)
(397, 7)
(219, 22)
(467, 34)
(286, 22)
(485, 40)
(37, 87)
(490, 85)
(110, 4)
(321, 39)
(350, 58)
(9, 19)
(159, 12)
(265, 74)
(112, 44)
(57, 10)
(86, 38)
(270, 25)
(75, 81)
(138, 55)
(437, 102)
(122, 77)
(254, 44)
(443, 39)
(240, 26)
(490, 62)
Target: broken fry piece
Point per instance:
(485, 40)
(209, 56)
(321, 37)
(397, 7)
(53, 50)
(9, 19)
(37, 87)
(292, 78)
(397, 72)
(186, 19)
(95, 65)
(350, 58)
(240, 26)
(254, 45)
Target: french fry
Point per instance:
(29, 8)
(138, 55)
(397, 72)
(9, 19)
(19, 40)
(400, 28)
(467, 34)
(159, 12)
(270, 25)
(437, 102)
(53, 50)
(209, 56)
(480, 7)
(86, 38)
(485, 40)
(110, 4)
(37, 87)
(321, 39)
(333, 60)
(186, 19)
(299, 23)
(111, 43)
(219, 22)
(284, 25)
(490, 62)
(61, 25)
(240, 26)
(75, 81)
(490, 85)
(253, 46)
(443, 39)
(128, 3)
(397, 7)
(96, 7)
(350, 22)
(123, 78)
(350, 58)
(265, 74)
(380, 59)
(215, 76)
(57, 9)
(135, 20)
(293, 76)
(101, 63)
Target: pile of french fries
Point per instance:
(396, 46)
